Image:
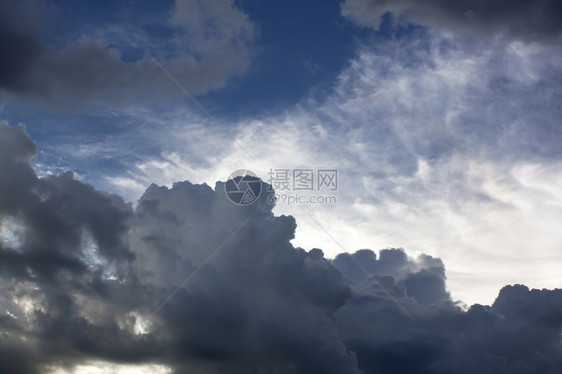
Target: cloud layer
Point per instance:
(525, 20)
(206, 43)
(85, 277)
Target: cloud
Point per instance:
(94, 280)
(53, 265)
(482, 339)
(423, 280)
(75, 287)
(19, 46)
(524, 20)
(457, 134)
(460, 132)
(207, 44)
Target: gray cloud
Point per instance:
(87, 279)
(423, 280)
(19, 46)
(210, 43)
(526, 20)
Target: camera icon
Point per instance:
(243, 187)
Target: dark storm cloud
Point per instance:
(446, 340)
(207, 43)
(19, 46)
(527, 20)
(90, 276)
(423, 280)
(52, 265)
(55, 210)
(519, 333)
(260, 305)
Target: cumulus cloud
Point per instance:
(206, 44)
(525, 20)
(189, 282)
(73, 286)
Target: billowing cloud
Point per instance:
(189, 282)
(525, 20)
(202, 43)
(73, 286)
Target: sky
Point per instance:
(403, 162)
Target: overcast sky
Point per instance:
(120, 123)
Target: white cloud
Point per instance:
(441, 159)
(101, 367)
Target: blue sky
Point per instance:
(443, 120)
